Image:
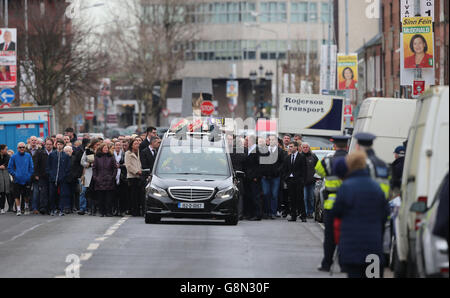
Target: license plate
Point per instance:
(191, 205)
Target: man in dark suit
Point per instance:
(294, 171)
(8, 45)
(151, 132)
(252, 184)
(148, 156)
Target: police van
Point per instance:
(193, 176)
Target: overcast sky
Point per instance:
(99, 15)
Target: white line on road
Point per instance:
(27, 231)
(85, 256)
(93, 246)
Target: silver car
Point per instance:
(431, 250)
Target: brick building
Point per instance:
(391, 26)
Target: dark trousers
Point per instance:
(121, 197)
(329, 246)
(296, 200)
(135, 195)
(253, 199)
(61, 201)
(240, 186)
(104, 198)
(44, 195)
(3, 198)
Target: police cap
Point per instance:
(340, 139)
(365, 138)
(400, 150)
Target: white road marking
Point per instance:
(93, 246)
(85, 256)
(27, 231)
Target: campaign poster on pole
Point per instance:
(347, 71)
(8, 57)
(418, 42)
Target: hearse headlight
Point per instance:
(157, 191)
(226, 193)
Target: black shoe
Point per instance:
(81, 212)
(102, 215)
(109, 215)
(323, 269)
(255, 218)
(304, 220)
(241, 218)
(284, 215)
(272, 217)
(265, 217)
(310, 216)
(293, 218)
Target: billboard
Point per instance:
(418, 43)
(347, 71)
(8, 62)
(311, 114)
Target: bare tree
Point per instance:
(57, 62)
(298, 66)
(150, 47)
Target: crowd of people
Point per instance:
(279, 176)
(61, 174)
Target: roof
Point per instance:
(377, 39)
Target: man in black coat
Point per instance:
(40, 164)
(294, 171)
(151, 132)
(252, 184)
(397, 169)
(148, 156)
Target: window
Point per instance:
(325, 16)
(223, 12)
(270, 48)
(273, 12)
(301, 14)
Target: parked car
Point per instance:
(426, 164)
(431, 251)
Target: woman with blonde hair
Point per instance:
(363, 210)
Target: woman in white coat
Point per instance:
(87, 161)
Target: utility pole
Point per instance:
(6, 13)
(308, 41)
(26, 29)
(329, 48)
(347, 92)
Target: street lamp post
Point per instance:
(277, 97)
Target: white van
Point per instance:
(387, 118)
(426, 164)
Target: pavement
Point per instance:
(91, 247)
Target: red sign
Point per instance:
(89, 116)
(207, 108)
(418, 87)
(348, 110)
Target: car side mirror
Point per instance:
(240, 174)
(419, 207)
